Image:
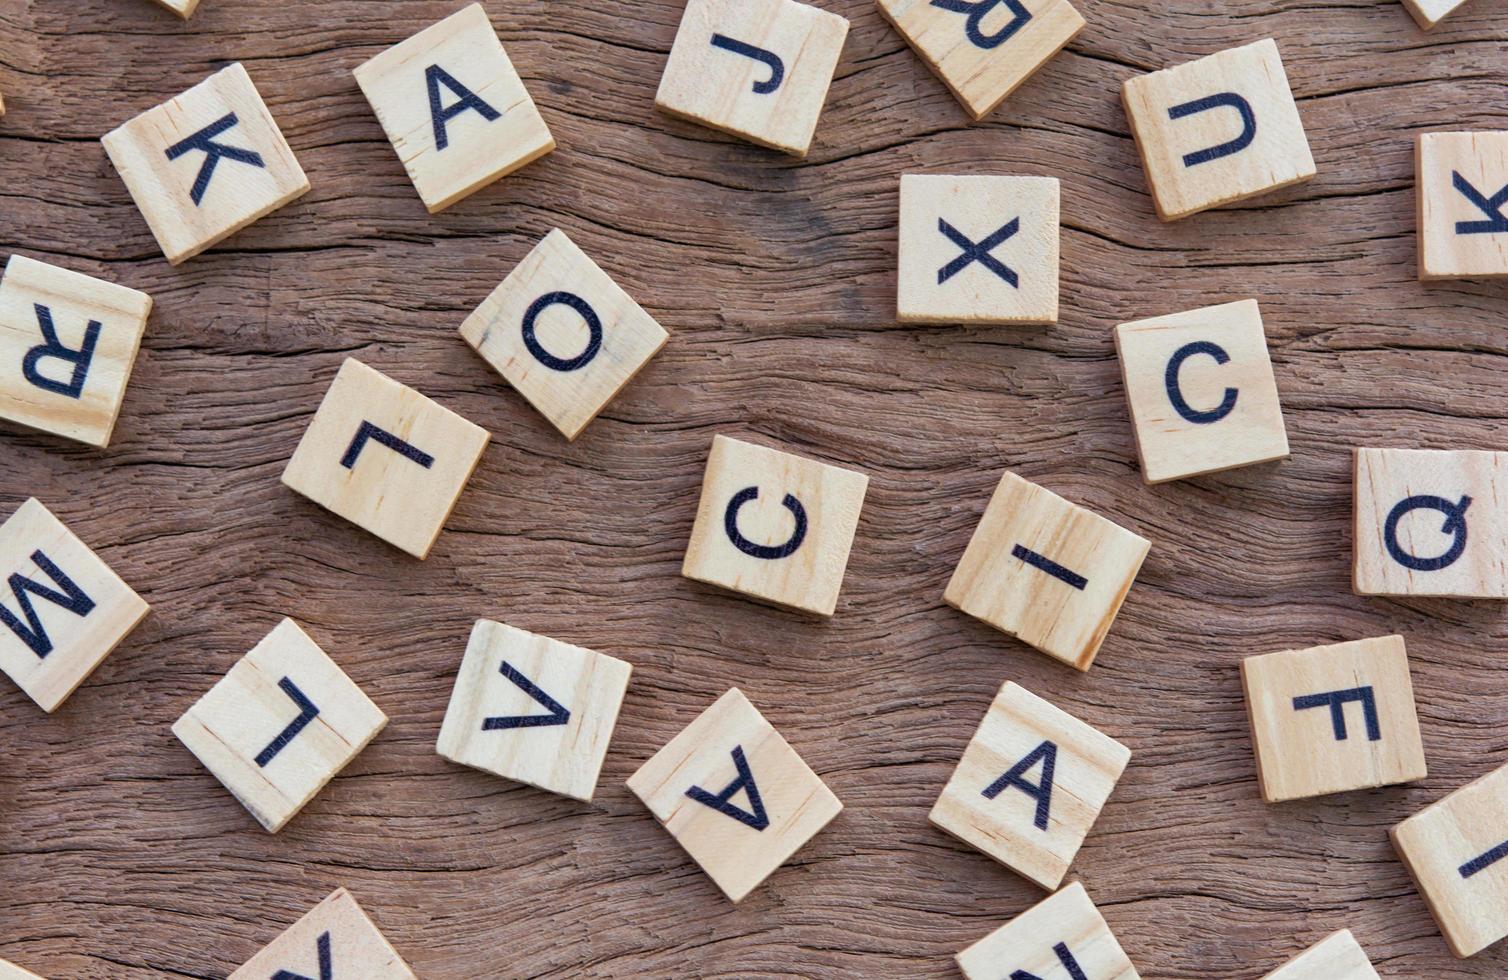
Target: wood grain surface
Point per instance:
(121, 857)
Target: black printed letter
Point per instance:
(52, 347)
(204, 140)
(593, 326)
(1336, 701)
(307, 712)
(1175, 393)
(1047, 754)
(436, 76)
(1485, 861)
(72, 598)
(558, 715)
(771, 552)
(770, 58)
(754, 817)
(1492, 207)
(326, 967)
(1075, 972)
(1454, 524)
(1224, 100)
(382, 437)
(978, 10)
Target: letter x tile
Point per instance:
(335, 940)
(9, 971)
(1461, 185)
(734, 794)
(1063, 935)
(385, 458)
(280, 725)
(206, 164)
(1337, 957)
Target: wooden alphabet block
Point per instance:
(774, 526)
(734, 794)
(978, 249)
(1333, 718)
(454, 108)
(1430, 523)
(1460, 180)
(183, 8)
(533, 709)
(564, 334)
(982, 58)
(9, 971)
(759, 69)
(206, 164)
(1048, 572)
(1030, 786)
(1201, 391)
(280, 725)
(334, 939)
(66, 612)
(1456, 852)
(385, 458)
(1220, 129)
(1337, 957)
(1430, 12)
(1062, 935)
(67, 345)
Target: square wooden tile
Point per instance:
(1333, 718)
(533, 709)
(734, 794)
(10, 971)
(1063, 935)
(1337, 957)
(67, 345)
(183, 8)
(206, 164)
(1461, 187)
(385, 458)
(563, 333)
(1430, 12)
(759, 69)
(1429, 523)
(1220, 129)
(774, 526)
(63, 609)
(334, 940)
(1201, 391)
(983, 51)
(1030, 785)
(978, 249)
(1048, 572)
(454, 108)
(280, 725)
(1457, 852)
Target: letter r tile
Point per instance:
(333, 941)
(1461, 185)
(1063, 935)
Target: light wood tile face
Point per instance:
(333, 941)
(280, 725)
(533, 709)
(1333, 718)
(759, 69)
(385, 458)
(1201, 391)
(1430, 523)
(454, 108)
(978, 249)
(1457, 851)
(183, 8)
(1337, 957)
(9, 971)
(1220, 129)
(1051, 939)
(1046, 571)
(1460, 180)
(1030, 786)
(983, 51)
(206, 164)
(734, 794)
(563, 333)
(62, 609)
(1430, 12)
(774, 526)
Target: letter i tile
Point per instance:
(334, 941)
(1461, 185)
(1063, 935)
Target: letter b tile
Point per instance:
(1063, 935)
(1461, 183)
(333, 941)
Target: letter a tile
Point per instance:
(533, 709)
(1217, 130)
(335, 940)
(206, 164)
(280, 725)
(1429, 13)
(9, 971)
(562, 333)
(62, 608)
(1461, 184)
(734, 794)
(454, 108)
(1064, 935)
(385, 458)
(1337, 957)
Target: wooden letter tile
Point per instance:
(1430, 12)
(183, 8)
(385, 458)
(978, 250)
(1064, 935)
(63, 609)
(562, 333)
(1030, 785)
(1430, 523)
(1201, 392)
(1457, 851)
(1046, 571)
(280, 725)
(533, 709)
(1462, 233)
(454, 108)
(1337, 957)
(759, 69)
(334, 940)
(1220, 129)
(774, 526)
(1333, 718)
(206, 164)
(9, 971)
(982, 57)
(734, 794)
